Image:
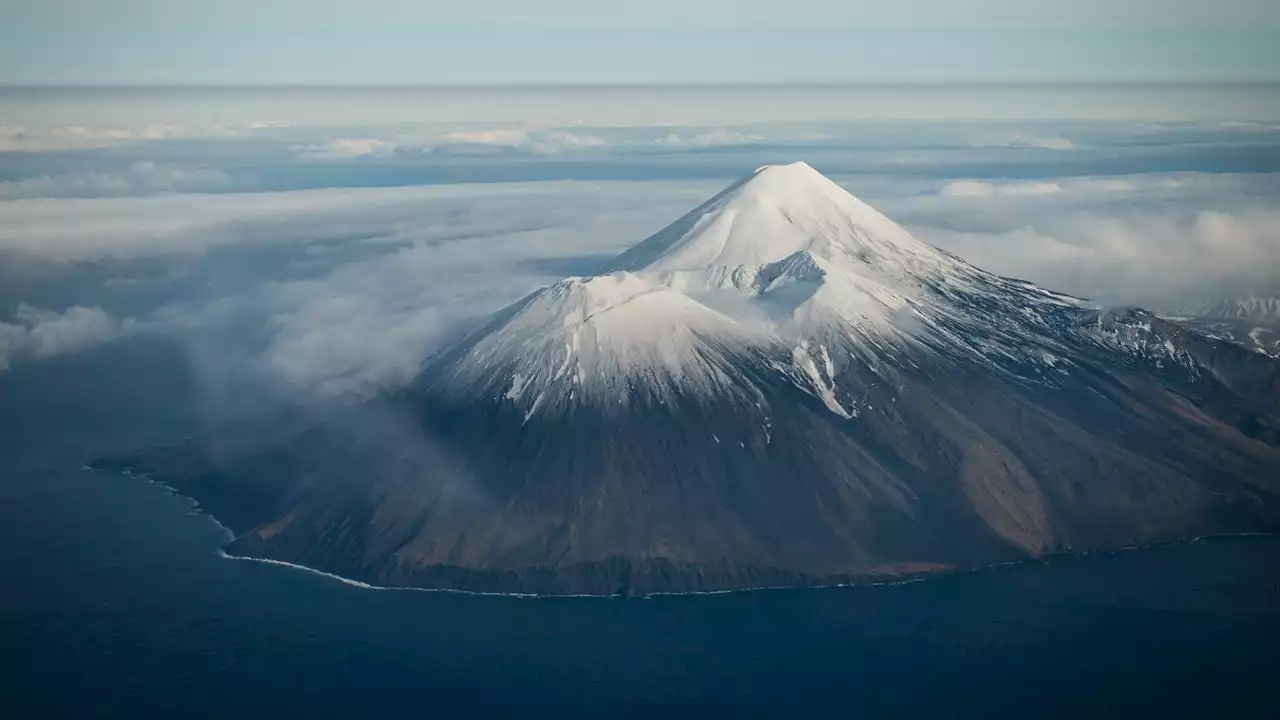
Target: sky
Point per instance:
(659, 41)
(330, 236)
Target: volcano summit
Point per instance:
(783, 387)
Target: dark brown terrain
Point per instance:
(1047, 426)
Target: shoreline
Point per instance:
(197, 509)
(919, 578)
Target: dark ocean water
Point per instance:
(114, 602)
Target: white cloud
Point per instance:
(1160, 241)
(368, 324)
(80, 184)
(982, 189)
(87, 230)
(549, 139)
(359, 283)
(12, 337)
(545, 142)
(553, 138)
(55, 138)
(19, 138)
(1080, 188)
(508, 137)
(1247, 126)
(36, 333)
(1027, 141)
(1117, 185)
(1050, 143)
(141, 176)
(350, 148)
(557, 141)
(517, 138)
(715, 137)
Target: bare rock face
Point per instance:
(782, 388)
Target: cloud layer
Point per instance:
(1158, 240)
(981, 189)
(141, 177)
(329, 292)
(341, 290)
(35, 334)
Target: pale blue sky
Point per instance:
(657, 41)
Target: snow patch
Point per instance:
(784, 266)
(824, 388)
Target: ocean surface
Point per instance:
(115, 602)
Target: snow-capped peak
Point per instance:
(803, 249)
(599, 338)
(784, 264)
(773, 213)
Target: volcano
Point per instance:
(782, 388)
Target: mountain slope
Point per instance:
(1244, 308)
(782, 388)
(1253, 322)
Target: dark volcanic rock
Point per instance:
(895, 412)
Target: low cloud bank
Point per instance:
(981, 189)
(1164, 241)
(342, 292)
(34, 333)
(143, 176)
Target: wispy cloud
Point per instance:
(1162, 241)
(715, 137)
(55, 138)
(1140, 258)
(339, 292)
(1047, 143)
(509, 137)
(66, 230)
(1026, 141)
(345, 148)
(34, 333)
(982, 189)
(20, 138)
(141, 176)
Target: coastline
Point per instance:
(198, 509)
(918, 578)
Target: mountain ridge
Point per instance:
(1250, 307)
(784, 260)
(783, 387)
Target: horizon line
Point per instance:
(633, 85)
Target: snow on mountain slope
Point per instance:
(1251, 321)
(782, 388)
(784, 265)
(775, 212)
(1261, 308)
(601, 338)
